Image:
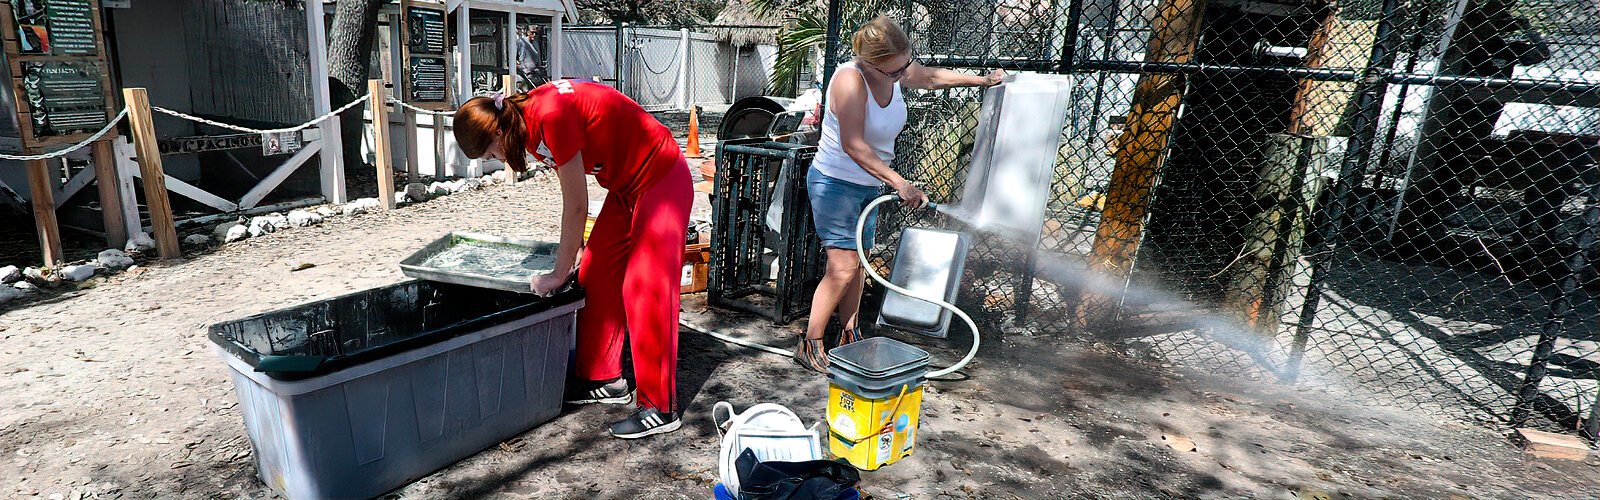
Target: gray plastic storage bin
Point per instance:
(368, 392)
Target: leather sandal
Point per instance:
(848, 335)
(810, 355)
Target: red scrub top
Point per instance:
(625, 148)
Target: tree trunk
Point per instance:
(355, 26)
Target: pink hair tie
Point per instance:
(499, 99)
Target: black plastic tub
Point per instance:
(325, 336)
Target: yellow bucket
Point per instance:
(874, 401)
(872, 433)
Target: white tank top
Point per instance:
(883, 125)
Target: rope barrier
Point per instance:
(60, 153)
(296, 128)
(420, 110)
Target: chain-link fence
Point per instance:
(752, 70)
(671, 69)
(1398, 198)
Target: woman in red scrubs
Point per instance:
(631, 265)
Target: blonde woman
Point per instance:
(865, 113)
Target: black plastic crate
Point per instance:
(747, 171)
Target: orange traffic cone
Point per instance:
(694, 132)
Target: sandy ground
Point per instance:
(112, 392)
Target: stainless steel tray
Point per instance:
(482, 260)
(930, 263)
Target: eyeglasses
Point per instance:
(896, 73)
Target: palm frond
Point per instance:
(795, 46)
(809, 31)
(764, 8)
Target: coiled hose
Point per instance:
(861, 253)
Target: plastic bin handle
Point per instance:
(289, 364)
(721, 415)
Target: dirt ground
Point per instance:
(112, 392)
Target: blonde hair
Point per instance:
(879, 40)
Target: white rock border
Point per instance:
(412, 194)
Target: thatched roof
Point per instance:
(739, 13)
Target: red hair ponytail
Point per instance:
(480, 121)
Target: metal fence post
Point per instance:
(1561, 305)
(558, 45)
(830, 55)
(1069, 42)
(1364, 128)
(1591, 427)
(733, 90)
(621, 52)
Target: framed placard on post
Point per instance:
(424, 81)
(60, 84)
(58, 70)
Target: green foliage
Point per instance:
(796, 43)
(806, 31)
(650, 12)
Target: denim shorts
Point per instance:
(836, 206)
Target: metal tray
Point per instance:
(482, 260)
(930, 263)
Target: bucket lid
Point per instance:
(876, 388)
(878, 357)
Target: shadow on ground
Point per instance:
(1038, 418)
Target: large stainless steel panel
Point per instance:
(1015, 150)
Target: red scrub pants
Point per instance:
(631, 271)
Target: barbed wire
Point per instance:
(296, 128)
(63, 152)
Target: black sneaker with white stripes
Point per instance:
(580, 392)
(646, 422)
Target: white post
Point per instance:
(465, 167)
(683, 69)
(511, 47)
(733, 93)
(463, 54)
(397, 60)
(332, 147)
(126, 166)
(557, 45)
(407, 117)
